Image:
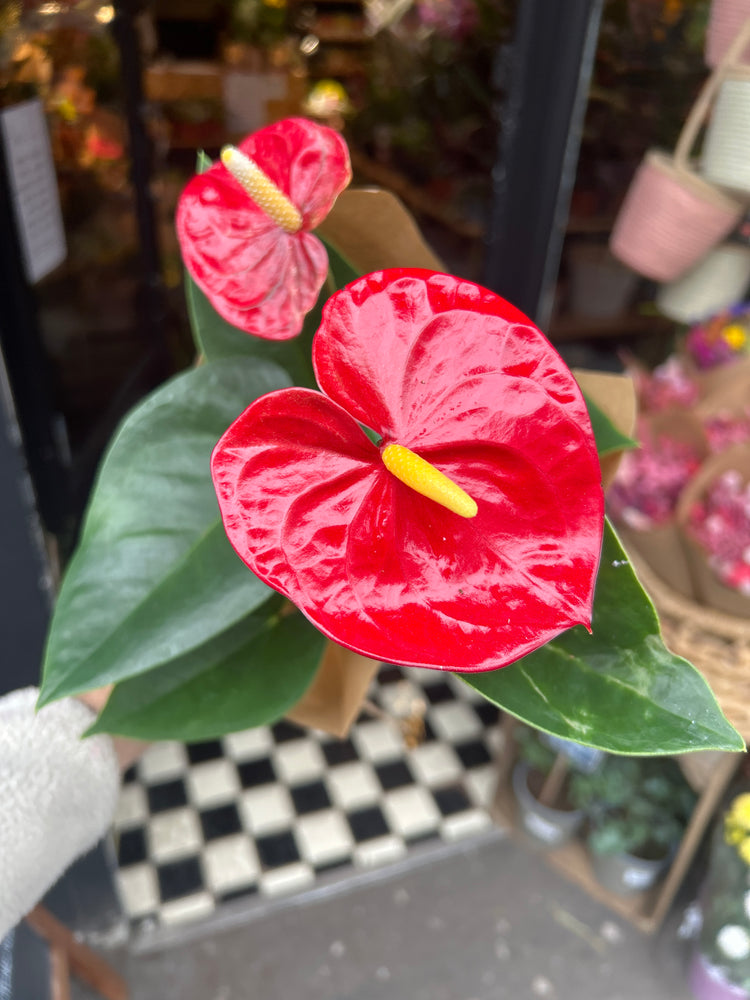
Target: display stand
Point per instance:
(646, 910)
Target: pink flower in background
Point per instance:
(720, 523)
(244, 225)
(650, 480)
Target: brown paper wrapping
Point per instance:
(708, 589)
(731, 396)
(711, 381)
(663, 547)
(333, 700)
(373, 230)
(615, 397)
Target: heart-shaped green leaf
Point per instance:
(608, 437)
(249, 676)
(619, 689)
(216, 339)
(154, 576)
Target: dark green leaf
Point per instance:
(249, 676)
(216, 339)
(154, 575)
(608, 438)
(342, 271)
(203, 162)
(619, 689)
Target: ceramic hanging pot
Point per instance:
(715, 283)
(672, 216)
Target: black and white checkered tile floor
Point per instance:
(267, 810)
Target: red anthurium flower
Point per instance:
(244, 225)
(466, 568)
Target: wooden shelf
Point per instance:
(645, 910)
(567, 327)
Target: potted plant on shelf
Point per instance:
(372, 454)
(541, 785)
(637, 810)
(720, 967)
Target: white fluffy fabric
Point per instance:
(57, 796)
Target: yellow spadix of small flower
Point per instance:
(262, 189)
(424, 478)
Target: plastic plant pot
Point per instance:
(546, 826)
(708, 982)
(626, 874)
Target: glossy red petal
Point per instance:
(255, 275)
(287, 446)
(427, 331)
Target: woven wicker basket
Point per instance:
(718, 644)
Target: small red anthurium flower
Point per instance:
(244, 225)
(470, 535)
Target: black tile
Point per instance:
(256, 772)
(131, 848)
(220, 822)
(367, 823)
(487, 712)
(284, 731)
(422, 838)
(210, 750)
(339, 752)
(168, 795)
(437, 693)
(311, 797)
(390, 674)
(473, 754)
(243, 893)
(394, 774)
(277, 850)
(330, 866)
(429, 733)
(130, 775)
(179, 878)
(451, 800)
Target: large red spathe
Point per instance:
(257, 276)
(456, 374)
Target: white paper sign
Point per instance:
(33, 188)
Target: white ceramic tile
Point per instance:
(213, 783)
(402, 699)
(421, 675)
(249, 744)
(230, 862)
(411, 811)
(378, 740)
(179, 911)
(435, 763)
(132, 807)
(481, 783)
(468, 823)
(139, 889)
(174, 834)
(379, 851)
(455, 720)
(353, 785)
(297, 761)
(495, 740)
(267, 809)
(464, 691)
(290, 878)
(163, 761)
(324, 837)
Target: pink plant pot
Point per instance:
(670, 219)
(707, 982)
(725, 22)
